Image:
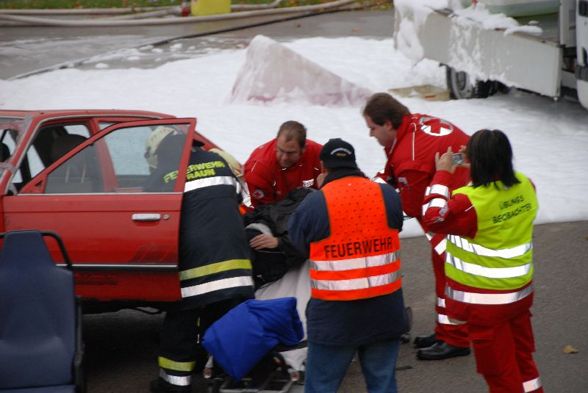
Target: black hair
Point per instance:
(490, 156)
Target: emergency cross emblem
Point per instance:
(435, 127)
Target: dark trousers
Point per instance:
(180, 352)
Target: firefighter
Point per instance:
(410, 142)
(279, 166)
(489, 261)
(214, 264)
(349, 229)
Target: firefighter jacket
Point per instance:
(489, 246)
(411, 159)
(214, 259)
(349, 296)
(269, 183)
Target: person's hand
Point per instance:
(320, 179)
(263, 241)
(444, 162)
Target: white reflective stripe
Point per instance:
(477, 249)
(355, 263)
(438, 189)
(216, 285)
(488, 298)
(489, 272)
(429, 235)
(441, 247)
(532, 385)
(211, 181)
(356, 283)
(437, 202)
(440, 302)
(258, 226)
(175, 379)
(445, 320)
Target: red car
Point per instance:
(80, 173)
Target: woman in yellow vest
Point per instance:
(489, 262)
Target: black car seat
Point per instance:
(40, 329)
(4, 152)
(76, 175)
(64, 143)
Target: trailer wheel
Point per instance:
(462, 86)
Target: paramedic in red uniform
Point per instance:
(279, 166)
(489, 261)
(410, 142)
(349, 229)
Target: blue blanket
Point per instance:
(244, 335)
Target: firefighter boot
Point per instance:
(160, 386)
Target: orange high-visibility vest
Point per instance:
(360, 259)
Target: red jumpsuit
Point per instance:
(410, 168)
(501, 335)
(269, 183)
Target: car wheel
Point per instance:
(462, 86)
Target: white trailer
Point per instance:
(546, 54)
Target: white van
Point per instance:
(545, 50)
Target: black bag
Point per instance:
(268, 264)
(271, 264)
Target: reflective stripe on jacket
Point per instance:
(360, 259)
(500, 256)
(214, 259)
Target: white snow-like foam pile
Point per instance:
(274, 73)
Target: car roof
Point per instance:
(53, 113)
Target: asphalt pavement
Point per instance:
(121, 348)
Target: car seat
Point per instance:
(40, 322)
(4, 152)
(76, 175)
(64, 143)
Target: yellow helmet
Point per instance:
(152, 143)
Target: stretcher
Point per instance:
(282, 370)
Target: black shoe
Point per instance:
(440, 351)
(425, 341)
(160, 386)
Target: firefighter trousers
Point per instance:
(180, 352)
